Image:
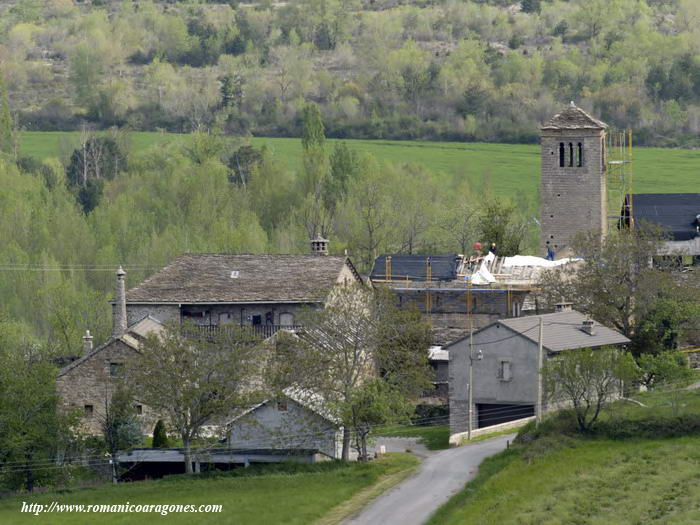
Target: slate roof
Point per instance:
(132, 338)
(224, 278)
(675, 212)
(573, 117)
(561, 331)
(415, 267)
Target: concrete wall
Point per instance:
(489, 387)
(267, 427)
(572, 199)
(689, 247)
(90, 383)
(460, 439)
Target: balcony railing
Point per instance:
(254, 332)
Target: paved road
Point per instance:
(442, 474)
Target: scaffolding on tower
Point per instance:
(620, 179)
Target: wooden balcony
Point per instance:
(252, 332)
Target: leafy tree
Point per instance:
(33, 430)
(7, 144)
(160, 436)
(315, 215)
(121, 428)
(195, 381)
(530, 6)
(587, 379)
(616, 285)
(374, 403)
(501, 224)
(664, 369)
(243, 161)
(98, 158)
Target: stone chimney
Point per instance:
(87, 342)
(587, 326)
(319, 246)
(563, 307)
(119, 315)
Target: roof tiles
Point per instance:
(225, 278)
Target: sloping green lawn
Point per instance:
(294, 495)
(592, 482)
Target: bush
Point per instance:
(160, 436)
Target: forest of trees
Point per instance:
(487, 70)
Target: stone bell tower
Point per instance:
(573, 192)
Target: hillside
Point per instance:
(486, 70)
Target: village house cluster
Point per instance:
(484, 319)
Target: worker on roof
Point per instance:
(493, 249)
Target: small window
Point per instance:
(139, 409)
(116, 369)
(281, 406)
(505, 373)
(89, 409)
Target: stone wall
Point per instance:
(572, 199)
(90, 383)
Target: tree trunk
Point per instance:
(346, 444)
(30, 473)
(188, 454)
(114, 468)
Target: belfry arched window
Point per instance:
(580, 155)
(561, 154)
(571, 155)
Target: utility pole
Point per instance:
(471, 358)
(538, 413)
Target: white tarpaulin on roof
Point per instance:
(483, 275)
(531, 260)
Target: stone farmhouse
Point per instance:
(212, 291)
(88, 382)
(505, 358)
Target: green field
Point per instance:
(640, 465)
(300, 495)
(508, 169)
(434, 438)
(592, 482)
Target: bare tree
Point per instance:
(358, 337)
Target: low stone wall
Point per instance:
(459, 439)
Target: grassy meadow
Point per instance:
(510, 170)
(434, 437)
(290, 495)
(592, 482)
(640, 465)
